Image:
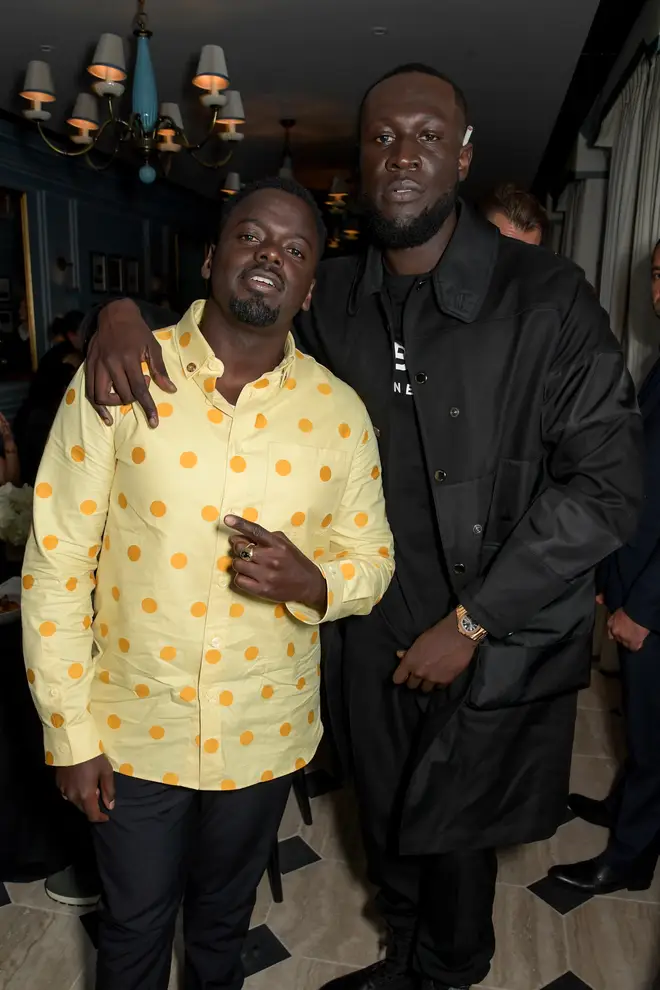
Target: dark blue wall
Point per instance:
(74, 211)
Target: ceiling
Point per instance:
(312, 60)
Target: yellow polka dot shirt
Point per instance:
(136, 642)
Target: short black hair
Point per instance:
(425, 70)
(289, 186)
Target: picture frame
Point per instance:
(115, 274)
(99, 272)
(5, 290)
(132, 276)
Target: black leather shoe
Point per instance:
(388, 974)
(596, 876)
(590, 810)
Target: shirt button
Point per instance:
(211, 695)
(376, 432)
(421, 284)
(454, 412)
(420, 378)
(440, 476)
(459, 568)
(191, 367)
(477, 530)
(215, 643)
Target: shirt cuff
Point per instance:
(310, 616)
(72, 744)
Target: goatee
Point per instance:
(253, 311)
(409, 232)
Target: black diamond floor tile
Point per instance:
(90, 923)
(295, 853)
(4, 896)
(560, 897)
(262, 950)
(569, 981)
(321, 782)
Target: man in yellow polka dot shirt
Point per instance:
(173, 589)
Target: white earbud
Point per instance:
(468, 134)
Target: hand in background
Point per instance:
(622, 629)
(115, 356)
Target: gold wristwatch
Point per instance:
(468, 627)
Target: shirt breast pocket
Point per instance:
(304, 489)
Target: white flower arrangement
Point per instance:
(15, 514)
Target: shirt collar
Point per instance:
(460, 279)
(199, 361)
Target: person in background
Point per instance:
(10, 471)
(51, 380)
(509, 434)
(629, 585)
(174, 587)
(516, 213)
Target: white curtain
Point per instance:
(632, 131)
(570, 204)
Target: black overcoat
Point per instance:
(532, 441)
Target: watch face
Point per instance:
(469, 626)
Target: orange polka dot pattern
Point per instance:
(169, 669)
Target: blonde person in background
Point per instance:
(10, 472)
(516, 213)
(179, 696)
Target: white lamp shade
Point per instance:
(232, 112)
(286, 171)
(339, 188)
(232, 183)
(212, 69)
(109, 61)
(39, 85)
(85, 113)
(172, 111)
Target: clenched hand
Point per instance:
(436, 658)
(278, 570)
(622, 629)
(84, 783)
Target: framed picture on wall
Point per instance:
(99, 272)
(115, 274)
(133, 277)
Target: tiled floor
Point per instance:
(546, 938)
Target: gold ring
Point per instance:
(247, 552)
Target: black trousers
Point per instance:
(166, 844)
(439, 907)
(635, 800)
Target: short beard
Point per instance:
(399, 234)
(253, 311)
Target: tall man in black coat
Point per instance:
(508, 432)
(629, 582)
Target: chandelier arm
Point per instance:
(104, 167)
(81, 151)
(185, 143)
(211, 165)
